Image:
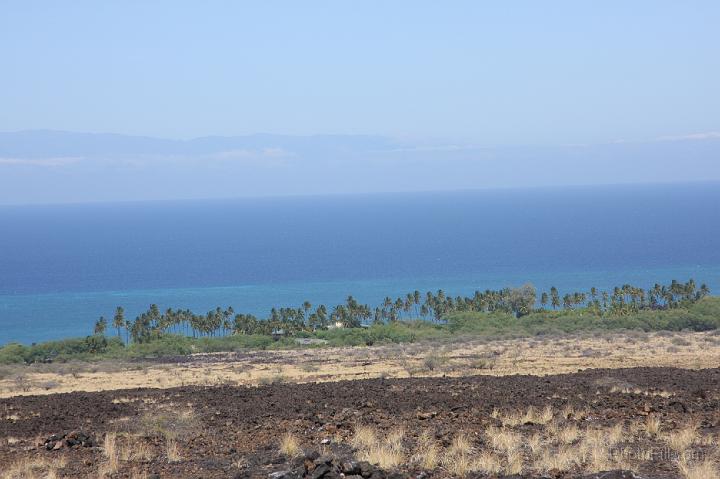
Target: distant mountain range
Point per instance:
(51, 143)
(45, 166)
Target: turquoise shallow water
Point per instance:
(75, 312)
(61, 267)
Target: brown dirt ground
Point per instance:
(536, 356)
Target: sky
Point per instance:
(493, 73)
(428, 74)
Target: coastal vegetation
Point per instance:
(509, 312)
(434, 307)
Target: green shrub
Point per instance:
(75, 348)
(168, 345)
(702, 316)
(13, 353)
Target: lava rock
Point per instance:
(324, 460)
(73, 439)
(320, 471)
(350, 467)
(366, 469)
(311, 455)
(617, 474)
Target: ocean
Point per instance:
(62, 266)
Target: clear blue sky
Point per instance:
(500, 73)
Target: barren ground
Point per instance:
(536, 356)
(480, 420)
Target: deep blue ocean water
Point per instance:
(61, 267)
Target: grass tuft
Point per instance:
(680, 440)
(289, 445)
(172, 451)
(697, 470)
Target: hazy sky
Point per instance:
(500, 73)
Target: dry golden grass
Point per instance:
(458, 458)
(58, 462)
(507, 441)
(36, 468)
(125, 445)
(289, 445)
(545, 416)
(624, 459)
(596, 457)
(386, 453)
(492, 433)
(111, 454)
(562, 459)
(461, 444)
(109, 447)
(680, 440)
(511, 419)
(514, 462)
(562, 445)
(172, 451)
(106, 469)
(652, 425)
(427, 455)
(140, 451)
(697, 470)
(529, 416)
(552, 428)
(534, 443)
(383, 456)
(458, 465)
(614, 435)
(364, 437)
(487, 462)
(568, 434)
(514, 356)
(394, 440)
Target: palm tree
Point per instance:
(408, 303)
(119, 319)
(702, 292)
(543, 299)
(416, 301)
(306, 307)
(554, 297)
(321, 312)
(398, 306)
(101, 325)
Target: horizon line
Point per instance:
(688, 136)
(371, 194)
